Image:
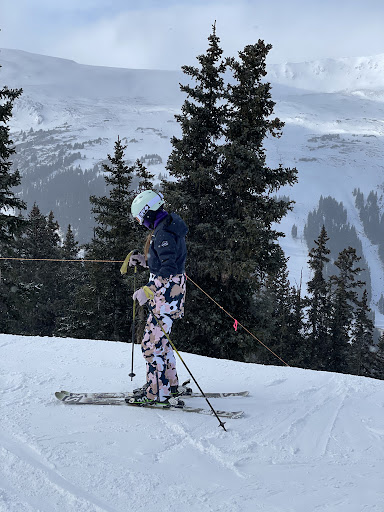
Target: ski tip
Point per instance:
(60, 395)
(237, 415)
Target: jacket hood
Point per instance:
(177, 225)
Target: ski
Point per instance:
(129, 394)
(79, 399)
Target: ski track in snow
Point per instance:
(50, 490)
(309, 441)
(204, 446)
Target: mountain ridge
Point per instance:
(347, 73)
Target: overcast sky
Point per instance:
(165, 34)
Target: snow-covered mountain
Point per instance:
(309, 441)
(70, 115)
(332, 75)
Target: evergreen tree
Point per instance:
(297, 327)
(39, 279)
(194, 159)
(113, 212)
(249, 207)
(72, 276)
(333, 216)
(344, 302)
(362, 339)
(371, 218)
(53, 237)
(11, 222)
(223, 191)
(281, 321)
(380, 304)
(247, 183)
(377, 367)
(194, 165)
(106, 302)
(319, 307)
(380, 346)
(145, 177)
(70, 246)
(359, 199)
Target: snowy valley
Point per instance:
(69, 116)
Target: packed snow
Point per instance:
(309, 441)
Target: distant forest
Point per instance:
(333, 216)
(54, 177)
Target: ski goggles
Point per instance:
(143, 212)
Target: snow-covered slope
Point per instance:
(309, 441)
(332, 75)
(334, 131)
(58, 91)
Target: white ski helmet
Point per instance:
(145, 201)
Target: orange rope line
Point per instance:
(188, 278)
(52, 259)
(249, 332)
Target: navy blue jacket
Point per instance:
(168, 251)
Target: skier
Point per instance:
(164, 254)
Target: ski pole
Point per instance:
(221, 423)
(133, 324)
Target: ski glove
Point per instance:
(136, 258)
(139, 259)
(143, 294)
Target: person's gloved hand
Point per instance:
(135, 258)
(129, 260)
(143, 294)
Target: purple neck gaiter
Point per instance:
(160, 215)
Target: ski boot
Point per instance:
(143, 389)
(142, 399)
(181, 390)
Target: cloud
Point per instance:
(169, 33)
(162, 38)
